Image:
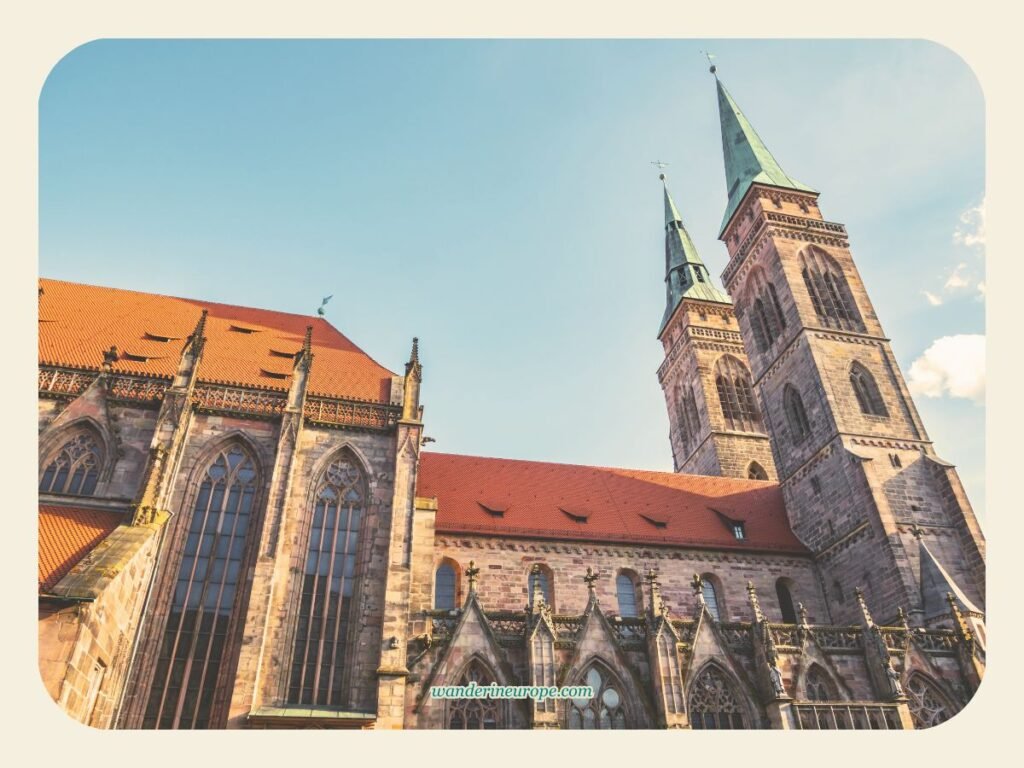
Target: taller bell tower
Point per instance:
(864, 487)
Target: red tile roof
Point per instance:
(545, 500)
(66, 535)
(244, 346)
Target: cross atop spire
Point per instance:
(685, 273)
(747, 159)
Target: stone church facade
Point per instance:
(239, 526)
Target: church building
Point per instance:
(240, 525)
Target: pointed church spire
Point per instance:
(747, 159)
(685, 273)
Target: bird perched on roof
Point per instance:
(320, 309)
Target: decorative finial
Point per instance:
(320, 309)
(916, 531)
(590, 578)
(307, 342)
(859, 593)
(713, 69)
(415, 350)
(801, 614)
(471, 573)
(901, 617)
(754, 602)
(110, 357)
(697, 584)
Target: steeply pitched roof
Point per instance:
(244, 346)
(686, 276)
(66, 535)
(546, 500)
(747, 159)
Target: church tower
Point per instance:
(715, 422)
(864, 487)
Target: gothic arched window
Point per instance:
(711, 600)
(756, 472)
(444, 587)
(714, 703)
(869, 398)
(928, 706)
(75, 469)
(475, 713)
(192, 654)
(625, 589)
(829, 292)
(735, 395)
(819, 686)
(796, 415)
(766, 318)
(602, 711)
(689, 418)
(325, 606)
(785, 596)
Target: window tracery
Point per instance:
(75, 469)
(604, 710)
(713, 702)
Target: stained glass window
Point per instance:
(320, 652)
(713, 702)
(711, 599)
(604, 710)
(479, 713)
(75, 469)
(928, 706)
(625, 588)
(444, 588)
(205, 595)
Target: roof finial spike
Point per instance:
(712, 69)
(307, 342)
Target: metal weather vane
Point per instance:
(320, 309)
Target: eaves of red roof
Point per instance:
(244, 346)
(66, 535)
(621, 505)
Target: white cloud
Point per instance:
(952, 366)
(970, 232)
(957, 279)
(934, 300)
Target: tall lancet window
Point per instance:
(325, 607)
(869, 398)
(191, 658)
(75, 469)
(735, 395)
(828, 290)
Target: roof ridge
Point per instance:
(714, 478)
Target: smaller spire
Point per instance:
(590, 579)
(686, 276)
(862, 604)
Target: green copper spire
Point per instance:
(747, 159)
(685, 273)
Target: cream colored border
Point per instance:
(984, 33)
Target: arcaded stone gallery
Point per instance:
(240, 525)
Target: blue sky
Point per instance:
(496, 199)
